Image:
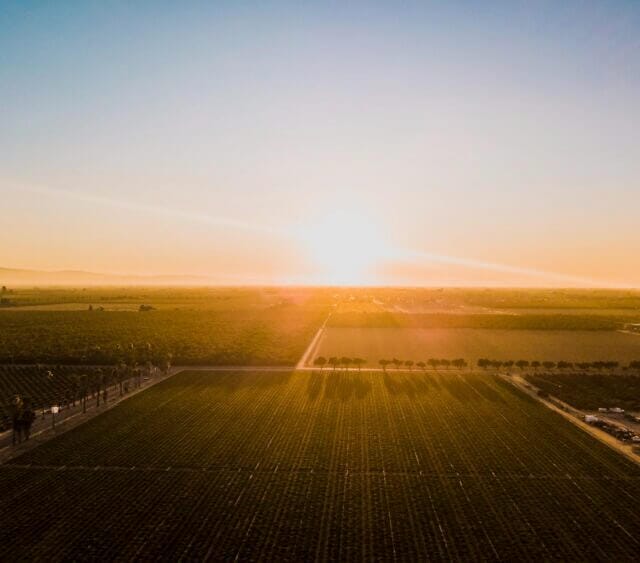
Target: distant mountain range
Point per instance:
(18, 277)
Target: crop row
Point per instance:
(331, 465)
(591, 390)
(42, 386)
(109, 514)
(274, 335)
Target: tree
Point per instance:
(75, 387)
(446, 364)
(459, 363)
(333, 362)
(535, 364)
(384, 364)
(359, 362)
(28, 416)
(84, 391)
(320, 361)
(508, 364)
(409, 364)
(522, 364)
(397, 363)
(166, 364)
(433, 363)
(345, 361)
(421, 365)
(548, 365)
(484, 363)
(16, 419)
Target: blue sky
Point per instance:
(501, 133)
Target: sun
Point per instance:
(344, 248)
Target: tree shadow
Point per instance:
(410, 384)
(314, 385)
(343, 386)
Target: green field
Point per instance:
(591, 391)
(374, 344)
(297, 466)
(198, 326)
(585, 320)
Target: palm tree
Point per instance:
(97, 383)
(320, 361)
(74, 387)
(84, 391)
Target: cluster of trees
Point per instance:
(433, 363)
(204, 335)
(92, 384)
(335, 362)
(97, 383)
(346, 363)
(485, 363)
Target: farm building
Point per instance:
(590, 418)
(617, 410)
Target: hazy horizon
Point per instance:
(422, 144)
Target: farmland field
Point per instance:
(471, 344)
(591, 391)
(307, 465)
(33, 382)
(196, 326)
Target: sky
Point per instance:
(409, 143)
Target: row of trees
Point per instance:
(346, 362)
(433, 363)
(460, 363)
(335, 362)
(93, 384)
(96, 383)
(486, 363)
